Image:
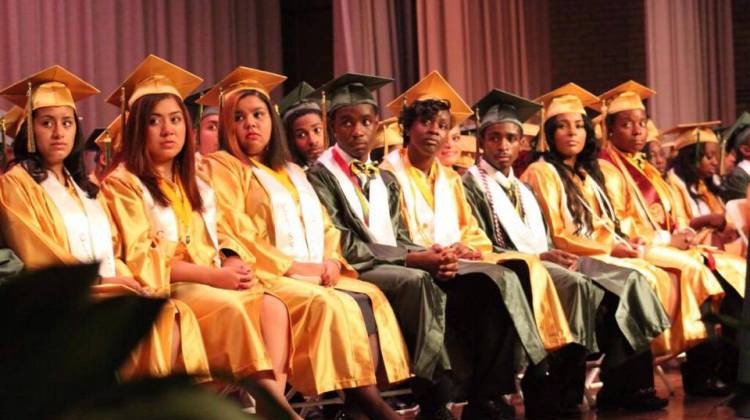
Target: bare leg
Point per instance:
(367, 399)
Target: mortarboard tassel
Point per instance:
(222, 135)
(123, 105)
(2, 143)
(698, 147)
(541, 144)
(107, 148)
(30, 142)
(722, 154)
(605, 134)
(197, 123)
(324, 117)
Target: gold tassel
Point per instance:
(722, 154)
(697, 146)
(324, 117)
(2, 143)
(123, 106)
(541, 144)
(107, 149)
(197, 124)
(605, 133)
(222, 135)
(30, 142)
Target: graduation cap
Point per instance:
(9, 124)
(242, 78)
(530, 130)
(109, 140)
(569, 98)
(737, 132)
(692, 133)
(53, 86)
(347, 90)
(433, 86)
(91, 139)
(153, 75)
(625, 97)
(652, 133)
(298, 99)
(387, 135)
(498, 106)
(198, 111)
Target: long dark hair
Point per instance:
(426, 109)
(296, 155)
(137, 160)
(276, 154)
(34, 164)
(586, 163)
(685, 166)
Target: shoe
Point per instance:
(441, 413)
(711, 387)
(488, 410)
(641, 400)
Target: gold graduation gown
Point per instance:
(34, 228)
(653, 206)
(545, 304)
(229, 320)
(332, 348)
(691, 207)
(686, 329)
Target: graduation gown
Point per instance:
(529, 295)
(229, 320)
(639, 314)
(419, 303)
(34, 229)
(734, 185)
(700, 202)
(332, 348)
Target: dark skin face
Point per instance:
(425, 139)
(658, 158)
(354, 128)
(709, 162)
(628, 133)
(501, 143)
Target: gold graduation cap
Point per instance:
(625, 97)
(569, 98)
(388, 134)
(433, 86)
(242, 78)
(530, 130)
(652, 133)
(692, 133)
(154, 75)
(110, 140)
(53, 86)
(11, 121)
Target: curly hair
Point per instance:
(587, 163)
(34, 164)
(424, 110)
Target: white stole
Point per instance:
(300, 238)
(427, 225)
(164, 219)
(88, 230)
(698, 207)
(380, 227)
(528, 233)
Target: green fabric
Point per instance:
(350, 89)
(10, 264)
(639, 314)
(297, 96)
(499, 106)
(734, 185)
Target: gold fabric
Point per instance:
(229, 320)
(731, 267)
(242, 78)
(34, 229)
(154, 75)
(548, 313)
(697, 283)
(53, 86)
(331, 344)
(686, 329)
(433, 86)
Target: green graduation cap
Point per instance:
(198, 111)
(350, 89)
(298, 99)
(732, 134)
(499, 106)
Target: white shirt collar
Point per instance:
(498, 176)
(347, 158)
(745, 165)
